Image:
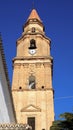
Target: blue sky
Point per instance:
(57, 16)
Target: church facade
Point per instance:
(32, 89)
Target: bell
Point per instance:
(32, 44)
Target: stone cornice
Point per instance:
(36, 34)
(33, 58)
(33, 21)
(31, 108)
(37, 89)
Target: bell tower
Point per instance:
(32, 76)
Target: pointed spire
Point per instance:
(34, 15)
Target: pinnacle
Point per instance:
(34, 15)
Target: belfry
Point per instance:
(32, 76)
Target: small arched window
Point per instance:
(31, 82)
(32, 44)
(33, 29)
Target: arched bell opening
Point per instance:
(32, 44)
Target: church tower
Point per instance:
(32, 76)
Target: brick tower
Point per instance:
(32, 76)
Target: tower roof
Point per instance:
(34, 15)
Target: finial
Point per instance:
(33, 4)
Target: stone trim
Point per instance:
(38, 34)
(39, 89)
(34, 58)
(31, 108)
(14, 127)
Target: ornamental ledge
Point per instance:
(15, 127)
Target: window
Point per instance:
(32, 44)
(32, 82)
